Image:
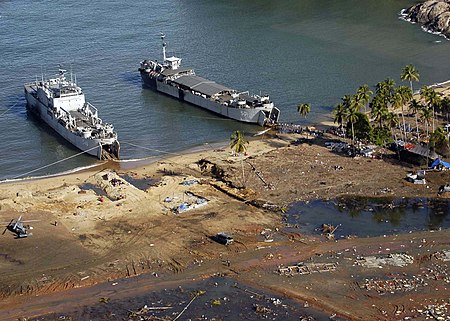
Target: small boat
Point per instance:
(61, 104)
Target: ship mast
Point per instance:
(163, 46)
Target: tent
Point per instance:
(438, 162)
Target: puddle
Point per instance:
(218, 299)
(140, 183)
(95, 188)
(370, 216)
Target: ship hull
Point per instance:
(247, 115)
(93, 147)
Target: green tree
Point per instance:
(415, 106)
(431, 99)
(362, 127)
(238, 145)
(445, 106)
(392, 121)
(410, 74)
(402, 96)
(439, 142)
(381, 136)
(303, 109)
(426, 115)
(363, 94)
(351, 113)
(378, 110)
(339, 114)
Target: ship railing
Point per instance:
(67, 117)
(92, 109)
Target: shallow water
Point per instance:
(370, 216)
(220, 299)
(297, 51)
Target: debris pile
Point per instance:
(443, 255)
(438, 312)
(193, 201)
(393, 285)
(307, 268)
(396, 259)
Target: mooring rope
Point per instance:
(54, 163)
(9, 108)
(151, 149)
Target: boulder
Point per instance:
(434, 15)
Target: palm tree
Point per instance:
(304, 109)
(425, 116)
(445, 105)
(402, 96)
(393, 121)
(431, 98)
(363, 93)
(379, 110)
(385, 89)
(237, 144)
(339, 114)
(439, 141)
(351, 112)
(411, 74)
(415, 106)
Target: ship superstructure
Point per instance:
(182, 83)
(61, 104)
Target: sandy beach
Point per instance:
(95, 227)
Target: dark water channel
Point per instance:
(370, 216)
(218, 298)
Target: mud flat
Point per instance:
(96, 228)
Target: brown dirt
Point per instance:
(131, 231)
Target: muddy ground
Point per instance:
(95, 227)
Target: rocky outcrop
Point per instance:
(433, 15)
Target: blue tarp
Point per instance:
(438, 162)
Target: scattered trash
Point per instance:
(189, 182)
(418, 178)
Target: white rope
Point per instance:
(54, 163)
(9, 108)
(151, 149)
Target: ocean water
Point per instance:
(298, 51)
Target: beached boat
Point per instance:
(62, 105)
(182, 83)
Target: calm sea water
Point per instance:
(298, 51)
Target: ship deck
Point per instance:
(201, 85)
(81, 120)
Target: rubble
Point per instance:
(393, 285)
(307, 268)
(396, 259)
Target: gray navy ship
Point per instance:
(182, 83)
(61, 104)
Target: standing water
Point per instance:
(362, 216)
(312, 51)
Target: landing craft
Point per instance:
(16, 227)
